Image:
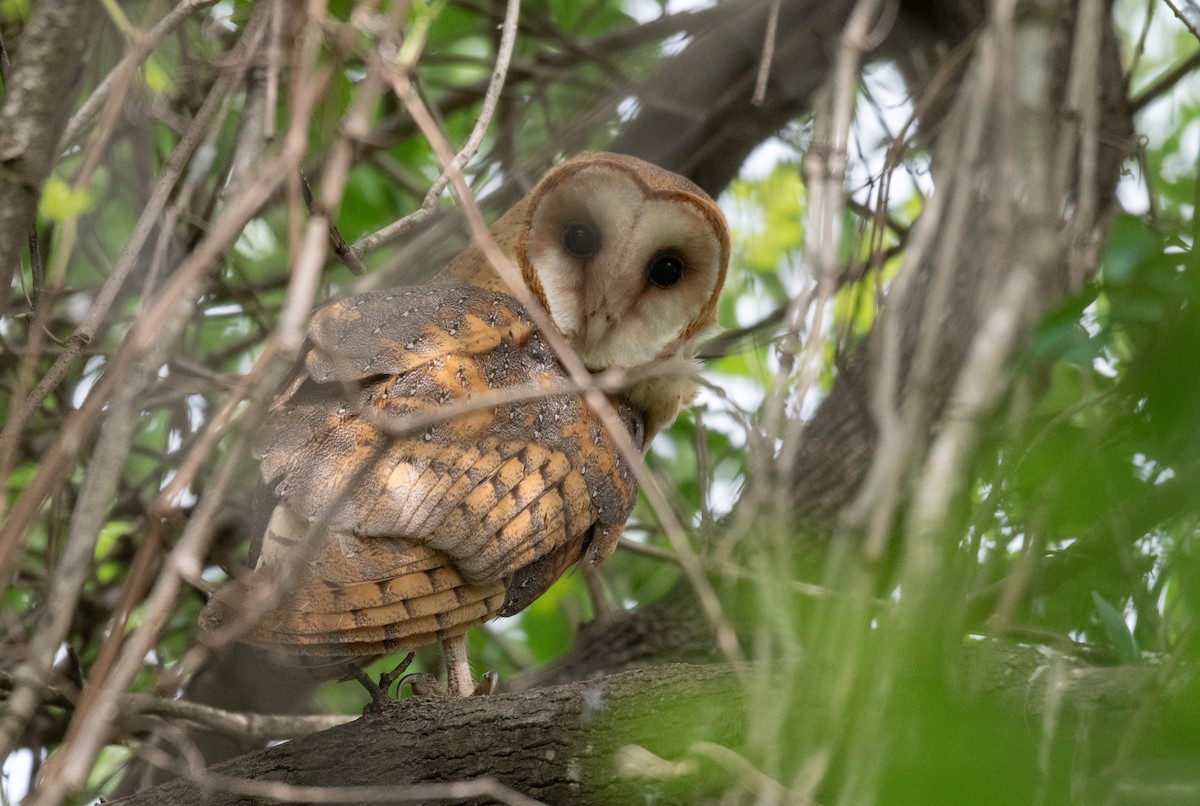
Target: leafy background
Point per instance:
(1087, 484)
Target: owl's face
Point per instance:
(628, 258)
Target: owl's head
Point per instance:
(627, 258)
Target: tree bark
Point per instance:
(37, 98)
(573, 743)
(554, 744)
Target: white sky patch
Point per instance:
(648, 10)
(664, 449)
(725, 488)
(186, 497)
(91, 373)
(1105, 364)
(877, 121)
(229, 309)
(18, 768)
(751, 307)
(1132, 192)
(1063, 544)
(222, 14)
(77, 306)
(1155, 546)
(1146, 469)
(489, 185)
(1180, 164)
(257, 241)
(765, 156)
(1131, 616)
(196, 407)
(675, 43)
(1089, 321)
(214, 575)
(808, 406)
(628, 108)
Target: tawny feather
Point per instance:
(399, 522)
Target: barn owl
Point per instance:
(417, 521)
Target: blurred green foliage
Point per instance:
(1098, 477)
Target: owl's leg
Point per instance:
(458, 671)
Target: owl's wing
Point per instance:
(428, 531)
(391, 332)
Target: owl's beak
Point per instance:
(595, 328)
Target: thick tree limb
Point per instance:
(556, 745)
(570, 743)
(37, 100)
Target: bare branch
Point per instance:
(491, 99)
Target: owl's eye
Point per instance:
(580, 240)
(665, 270)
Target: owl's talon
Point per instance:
(487, 685)
(426, 685)
(423, 685)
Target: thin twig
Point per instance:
(768, 54)
(491, 99)
(1179, 15)
(826, 169)
(248, 726)
(142, 45)
(1164, 83)
(243, 725)
(336, 242)
(149, 218)
(68, 771)
(161, 323)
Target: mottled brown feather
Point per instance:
(429, 532)
(388, 533)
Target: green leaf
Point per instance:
(1117, 631)
(1130, 242)
(110, 533)
(61, 202)
(157, 79)
(12, 11)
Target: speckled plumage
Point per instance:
(416, 534)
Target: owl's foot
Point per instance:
(487, 685)
(426, 685)
(458, 678)
(380, 692)
(458, 675)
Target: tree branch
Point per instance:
(576, 743)
(37, 100)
